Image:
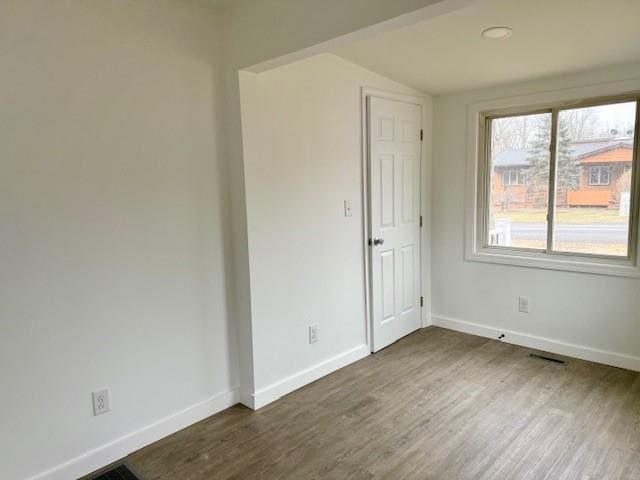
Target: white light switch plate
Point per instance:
(348, 210)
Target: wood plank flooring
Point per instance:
(437, 405)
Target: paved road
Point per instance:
(578, 233)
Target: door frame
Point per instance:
(367, 92)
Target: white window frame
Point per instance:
(477, 186)
(600, 168)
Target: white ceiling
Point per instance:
(550, 37)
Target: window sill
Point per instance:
(568, 263)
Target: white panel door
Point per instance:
(394, 214)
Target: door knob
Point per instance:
(378, 241)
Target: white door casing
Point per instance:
(394, 131)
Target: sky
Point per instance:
(617, 115)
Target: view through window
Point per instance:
(594, 154)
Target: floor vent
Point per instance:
(548, 359)
(119, 473)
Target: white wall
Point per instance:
(302, 159)
(256, 40)
(591, 311)
(111, 227)
(122, 213)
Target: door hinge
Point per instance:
(422, 301)
(420, 221)
(421, 134)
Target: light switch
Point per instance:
(348, 212)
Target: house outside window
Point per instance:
(599, 175)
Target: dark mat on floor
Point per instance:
(118, 473)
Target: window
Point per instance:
(558, 154)
(513, 177)
(522, 141)
(599, 175)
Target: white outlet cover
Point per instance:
(313, 333)
(523, 305)
(101, 402)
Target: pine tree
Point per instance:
(538, 171)
(568, 169)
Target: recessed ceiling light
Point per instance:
(497, 33)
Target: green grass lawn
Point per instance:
(563, 215)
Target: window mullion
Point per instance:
(552, 179)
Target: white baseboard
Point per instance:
(426, 320)
(121, 447)
(245, 397)
(540, 343)
(276, 390)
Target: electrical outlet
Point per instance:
(348, 208)
(313, 333)
(101, 403)
(523, 305)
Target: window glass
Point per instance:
(519, 181)
(600, 175)
(594, 155)
(522, 177)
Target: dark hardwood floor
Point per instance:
(435, 405)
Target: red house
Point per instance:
(605, 174)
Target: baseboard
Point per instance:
(426, 320)
(115, 450)
(540, 343)
(245, 397)
(276, 390)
